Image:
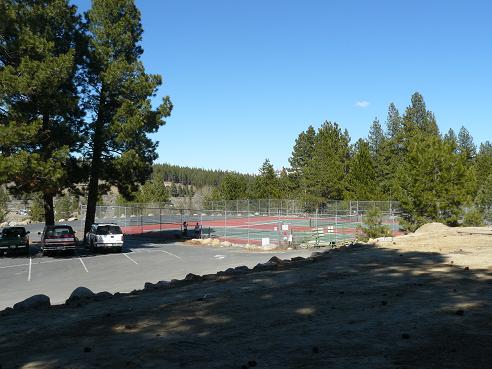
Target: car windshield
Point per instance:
(108, 229)
(59, 231)
(13, 232)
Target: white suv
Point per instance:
(105, 235)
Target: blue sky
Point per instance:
(246, 77)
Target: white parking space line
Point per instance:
(13, 266)
(29, 275)
(83, 265)
(130, 258)
(169, 253)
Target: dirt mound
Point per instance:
(431, 228)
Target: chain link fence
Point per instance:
(254, 222)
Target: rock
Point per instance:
(103, 295)
(162, 284)
(192, 277)
(12, 224)
(71, 219)
(61, 220)
(275, 260)
(149, 286)
(265, 266)
(4, 224)
(150, 215)
(33, 302)
(297, 259)
(226, 244)
(80, 293)
(241, 269)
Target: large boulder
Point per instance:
(80, 293)
(33, 302)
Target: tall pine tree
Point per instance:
(120, 151)
(40, 119)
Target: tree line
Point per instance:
(75, 108)
(187, 176)
(434, 176)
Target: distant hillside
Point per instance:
(195, 177)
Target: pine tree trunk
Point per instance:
(96, 163)
(49, 211)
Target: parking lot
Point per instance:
(141, 261)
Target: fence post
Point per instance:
(248, 222)
(81, 221)
(225, 225)
(336, 225)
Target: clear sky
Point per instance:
(246, 77)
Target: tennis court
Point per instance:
(241, 227)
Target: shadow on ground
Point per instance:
(361, 307)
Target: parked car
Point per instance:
(14, 238)
(104, 236)
(58, 238)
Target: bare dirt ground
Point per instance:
(419, 301)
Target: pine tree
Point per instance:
(450, 138)
(483, 163)
(266, 185)
(393, 121)
(325, 173)
(433, 181)
(466, 146)
(362, 183)
(120, 151)
(375, 138)
(302, 154)
(233, 187)
(40, 119)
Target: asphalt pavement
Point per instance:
(141, 261)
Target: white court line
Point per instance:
(169, 253)
(130, 258)
(83, 265)
(30, 264)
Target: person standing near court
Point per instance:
(197, 230)
(185, 228)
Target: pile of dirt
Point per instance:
(208, 242)
(432, 228)
(452, 241)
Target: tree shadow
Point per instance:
(358, 307)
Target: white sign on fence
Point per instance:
(265, 241)
(330, 229)
(285, 227)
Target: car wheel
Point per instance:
(28, 250)
(119, 249)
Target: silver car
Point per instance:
(105, 236)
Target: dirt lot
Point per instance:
(419, 301)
